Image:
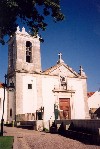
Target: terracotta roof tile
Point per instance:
(1, 85)
(89, 94)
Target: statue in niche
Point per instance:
(63, 82)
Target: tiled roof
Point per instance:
(1, 85)
(89, 94)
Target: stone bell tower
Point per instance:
(24, 60)
(24, 52)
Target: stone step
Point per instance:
(30, 127)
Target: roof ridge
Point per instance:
(47, 71)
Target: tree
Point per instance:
(31, 12)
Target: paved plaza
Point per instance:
(31, 139)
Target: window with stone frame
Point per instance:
(28, 51)
(29, 86)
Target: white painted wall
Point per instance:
(1, 104)
(48, 97)
(78, 99)
(94, 100)
(19, 93)
(29, 95)
(26, 99)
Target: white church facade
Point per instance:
(56, 93)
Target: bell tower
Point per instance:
(24, 61)
(24, 53)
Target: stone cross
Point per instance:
(60, 56)
(60, 59)
(81, 69)
(82, 73)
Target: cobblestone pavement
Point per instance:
(30, 139)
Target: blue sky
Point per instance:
(77, 38)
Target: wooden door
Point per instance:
(64, 105)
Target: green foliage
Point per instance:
(45, 129)
(6, 142)
(31, 12)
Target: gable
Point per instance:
(62, 70)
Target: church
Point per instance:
(56, 93)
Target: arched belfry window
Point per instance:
(28, 51)
(11, 54)
(10, 112)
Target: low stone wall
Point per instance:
(43, 125)
(87, 126)
(25, 117)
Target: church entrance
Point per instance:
(64, 106)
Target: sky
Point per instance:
(77, 38)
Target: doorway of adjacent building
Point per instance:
(64, 106)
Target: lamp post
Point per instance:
(2, 120)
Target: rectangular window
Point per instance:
(29, 86)
(10, 112)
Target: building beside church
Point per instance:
(94, 105)
(3, 103)
(56, 93)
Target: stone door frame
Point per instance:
(64, 108)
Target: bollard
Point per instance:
(13, 123)
(7, 122)
(2, 122)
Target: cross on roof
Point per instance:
(60, 59)
(81, 69)
(60, 56)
